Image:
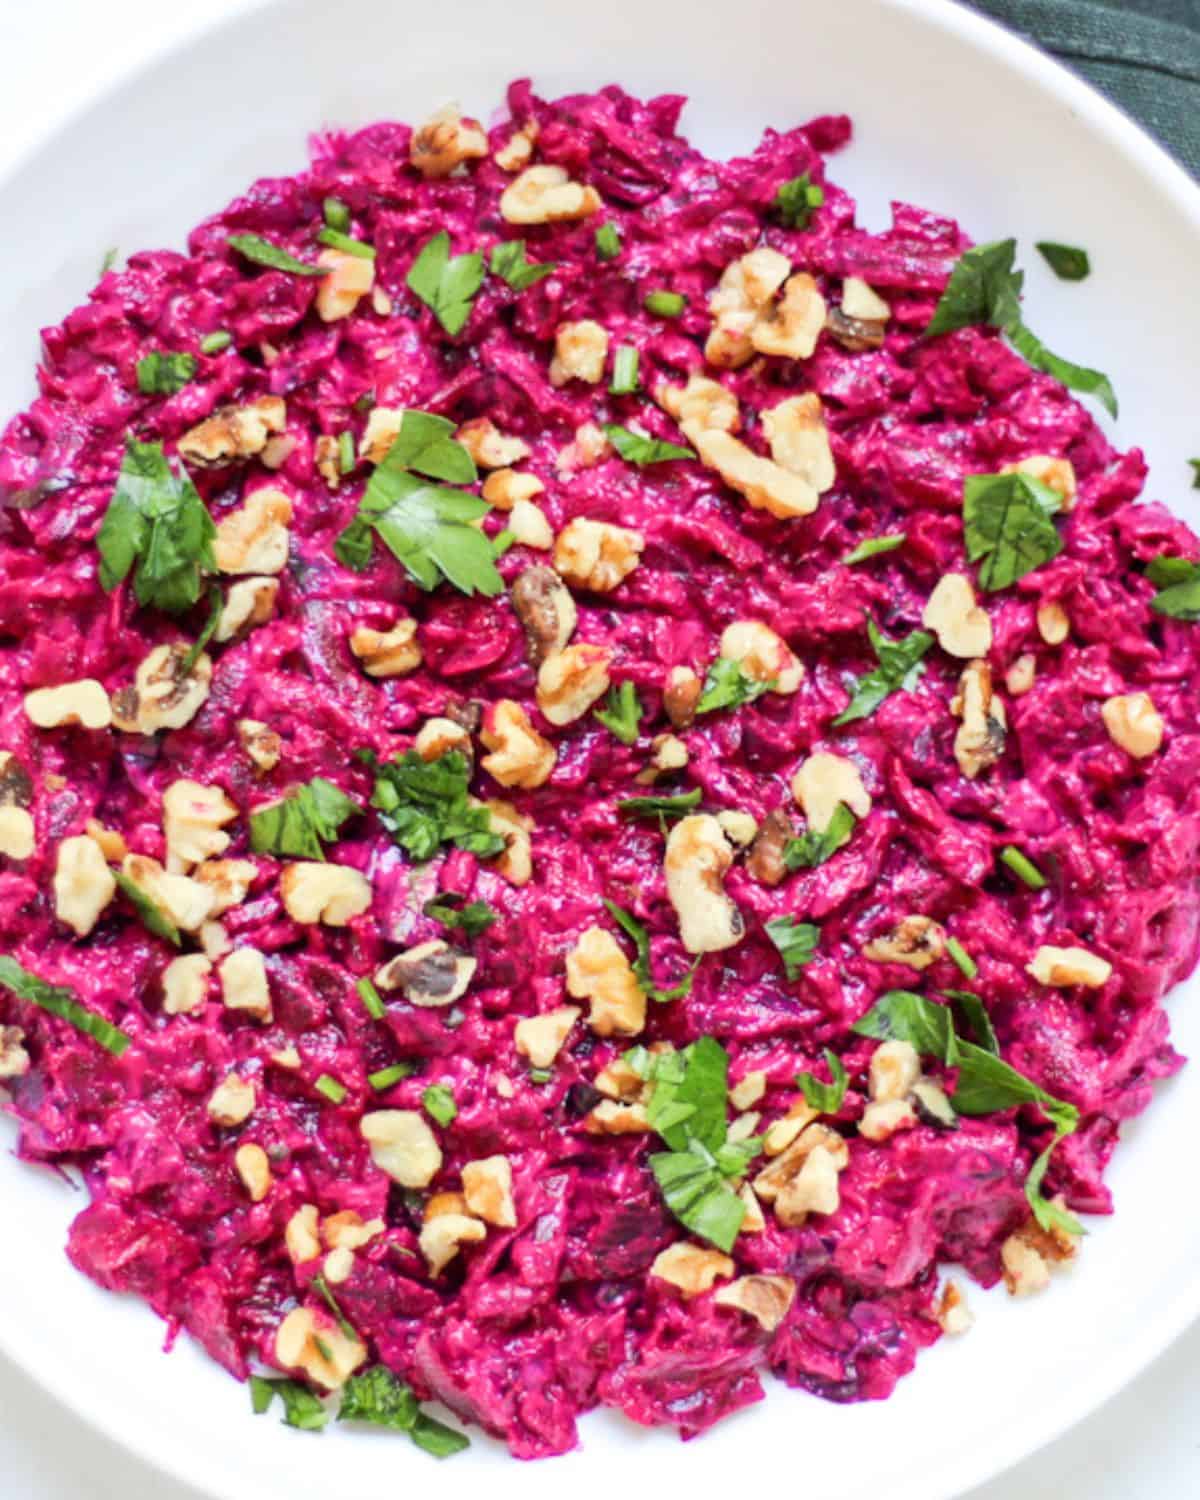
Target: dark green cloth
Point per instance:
(1145, 54)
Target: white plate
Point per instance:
(951, 113)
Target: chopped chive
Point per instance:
(371, 998)
(346, 243)
(334, 1091)
(385, 1077)
(1022, 867)
(625, 371)
(213, 343)
(439, 1103)
(337, 214)
(540, 1075)
(345, 451)
(664, 304)
(608, 242)
(961, 957)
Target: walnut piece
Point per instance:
(915, 941)
(981, 737)
(546, 610)
(232, 433)
(260, 742)
(599, 971)
(83, 703)
(596, 555)
(254, 538)
(546, 195)
(387, 653)
(402, 1145)
(194, 816)
(430, 975)
(1133, 723)
(692, 1269)
(826, 781)
(697, 857)
(766, 1299)
(799, 440)
(580, 351)
(317, 892)
(488, 446)
(488, 1190)
(765, 484)
(571, 680)
(541, 1038)
(1064, 967)
(762, 655)
(446, 141)
(520, 756)
(962, 627)
(244, 983)
(83, 883)
(347, 280)
(250, 602)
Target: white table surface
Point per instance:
(1144, 1445)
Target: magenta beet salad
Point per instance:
(599, 778)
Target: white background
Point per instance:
(1144, 1444)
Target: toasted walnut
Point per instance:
(895, 1068)
(580, 350)
(1057, 474)
(764, 483)
(254, 539)
(544, 606)
(669, 753)
(682, 691)
(445, 142)
(488, 446)
(254, 1170)
(250, 602)
(765, 862)
(963, 628)
(916, 941)
(402, 1145)
(515, 864)
(327, 457)
(791, 327)
(215, 942)
(318, 1347)
(596, 555)
(589, 447)
(83, 703)
(161, 696)
(185, 984)
(1064, 967)
(598, 970)
(1133, 723)
(881, 1121)
(753, 1222)
(383, 427)
(617, 1080)
(762, 655)
(111, 842)
(231, 433)
(232, 1102)
(506, 489)
(244, 983)
(861, 301)
(529, 526)
(611, 1117)
(17, 839)
(348, 278)
(316, 892)
(230, 879)
(277, 450)
(387, 653)
(771, 1181)
(546, 195)
(1021, 676)
(260, 742)
(347, 1230)
(518, 149)
(746, 288)
(443, 1236)
(186, 902)
(855, 334)
(781, 1133)
(1053, 623)
(748, 1090)
(983, 732)
(823, 783)
(804, 1179)
(953, 1314)
(487, 1187)
(766, 1299)
(193, 817)
(14, 1060)
(439, 736)
(338, 1266)
(693, 1269)
(1025, 1271)
(83, 884)
(698, 855)
(799, 439)
(570, 681)
(702, 405)
(520, 756)
(541, 1038)
(431, 974)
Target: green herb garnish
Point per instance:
(961, 957)
(813, 848)
(1068, 262)
(795, 201)
(1022, 867)
(336, 214)
(425, 804)
(150, 914)
(263, 253)
(447, 285)
(300, 824)
(439, 1103)
(377, 1397)
(1075, 377)
(726, 685)
(455, 912)
(977, 1018)
(213, 343)
(625, 371)
(386, 1077)
(330, 1088)
(825, 1097)
(637, 448)
(302, 1408)
(1007, 522)
(622, 712)
(371, 998)
(874, 547)
(608, 242)
(346, 454)
(346, 243)
(642, 971)
(216, 608)
(796, 942)
(162, 374)
(899, 667)
(510, 263)
(61, 1002)
(654, 806)
(664, 304)
(1178, 583)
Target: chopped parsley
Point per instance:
(726, 685)
(875, 547)
(263, 253)
(664, 304)
(1178, 584)
(61, 1002)
(302, 1408)
(625, 371)
(150, 914)
(453, 911)
(424, 804)
(378, 1397)
(1068, 262)
(796, 942)
(637, 448)
(330, 1088)
(796, 200)
(899, 667)
(622, 713)
(215, 610)
(162, 374)
(642, 971)
(510, 263)
(446, 284)
(608, 242)
(300, 824)
(813, 848)
(825, 1097)
(336, 214)
(1022, 867)
(1008, 525)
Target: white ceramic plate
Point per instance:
(951, 113)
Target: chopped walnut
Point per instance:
(544, 606)
(791, 327)
(746, 288)
(617, 1080)
(185, 984)
(515, 864)
(111, 842)
(1057, 474)
(703, 405)
(488, 446)
(254, 1170)
(682, 691)
(402, 1145)
(1021, 676)
(260, 742)
(804, 1178)
(570, 681)
(161, 696)
(765, 484)
(597, 555)
(193, 818)
(862, 302)
(1064, 967)
(881, 1121)
(230, 880)
(318, 1347)
(693, 1269)
(387, 653)
(520, 756)
(748, 1090)
(799, 440)
(17, 834)
(546, 195)
(953, 1314)
(599, 971)
(347, 1230)
(895, 1068)
(1133, 723)
(232, 433)
(580, 350)
(186, 902)
(1053, 623)
(766, 1299)
(443, 1235)
(962, 627)
(232, 1102)
(669, 753)
(780, 1134)
(697, 857)
(506, 489)
(83, 703)
(445, 142)
(612, 1117)
(529, 526)
(250, 602)
(915, 941)
(327, 456)
(762, 655)
(382, 429)
(430, 975)
(348, 278)
(765, 862)
(823, 783)
(983, 732)
(439, 736)
(16, 784)
(518, 149)
(254, 539)
(488, 1190)
(541, 1038)
(318, 892)
(244, 983)
(83, 884)
(590, 446)
(14, 1060)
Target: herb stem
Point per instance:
(1022, 867)
(961, 957)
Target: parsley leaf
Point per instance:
(899, 665)
(795, 201)
(813, 848)
(151, 915)
(439, 1103)
(510, 264)
(1178, 584)
(299, 824)
(825, 1097)
(425, 804)
(155, 520)
(425, 526)
(162, 374)
(1074, 377)
(978, 1020)
(642, 971)
(637, 448)
(1007, 521)
(215, 610)
(1050, 1216)
(695, 1191)
(660, 807)
(61, 1002)
(453, 911)
(983, 289)
(796, 941)
(377, 1397)
(1068, 262)
(302, 1408)
(448, 285)
(622, 713)
(726, 685)
(874, 547)
(254, 248)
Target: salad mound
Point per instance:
(598, 778)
